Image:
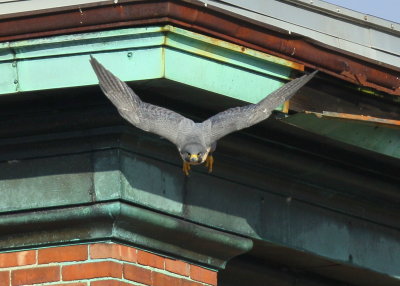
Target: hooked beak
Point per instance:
(194, 158)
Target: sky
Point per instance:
(386, 9)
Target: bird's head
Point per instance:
(194, 153)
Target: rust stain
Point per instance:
(356, 117)
(212, 23)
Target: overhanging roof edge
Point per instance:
(359, 37)
(195, 16)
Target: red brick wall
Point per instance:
(100, 264)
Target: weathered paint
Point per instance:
(123, 222)
(9, 77)
(55, 187)
(219, 78)
(217, 49)
(216, 22)
(141, 54)
(372, 134)
(44, 191)
(356, 117)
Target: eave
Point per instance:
(142, 54)
(69, 159)
(195, 16)
(181, 59)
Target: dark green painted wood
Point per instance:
(45, 182)
(72, 172)
(260, 202)
(106, 175)
(380, 138)
(142, 53)
(123, 223)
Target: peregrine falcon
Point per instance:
(196, 142)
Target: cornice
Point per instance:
(195, 16)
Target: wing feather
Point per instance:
(148, 117)
(238, 118)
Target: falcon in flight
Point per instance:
(195, 141)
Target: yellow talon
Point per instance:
(186, 168)
(209, 163)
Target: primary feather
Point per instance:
(148, 117)
(188, 136)
(237, 118)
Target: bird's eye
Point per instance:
(199, 154)
(189, 154)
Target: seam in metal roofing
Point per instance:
(365, 36)
(304, 41)
(21, 7)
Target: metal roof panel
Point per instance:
(346, 59)
(360, 34)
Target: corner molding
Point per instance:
(122, 222)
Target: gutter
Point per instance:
(214, 22)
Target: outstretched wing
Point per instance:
(148, 117)
(237, 118)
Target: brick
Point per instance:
(137, 274)
(19, 258)
(92, 270)
(4, 278)
(177, 266)
(203, 275)
(110, 283)
(150, 259)
(63, 254)
(35, 275)
(190, 283)
(160, 279)
(116, 251)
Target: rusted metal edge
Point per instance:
(214, 23)
(355, 117)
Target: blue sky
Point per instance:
(386, 9)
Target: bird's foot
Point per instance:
(209, 163)
(186, 168)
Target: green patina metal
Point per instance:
(122, 222)
(159, 199)
(136, 54)
(130, 187)
(379, 138)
